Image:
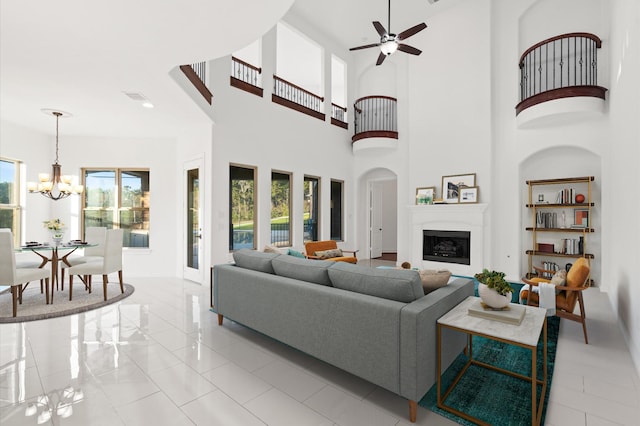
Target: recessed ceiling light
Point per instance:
(139, 97)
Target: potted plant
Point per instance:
(493, 289)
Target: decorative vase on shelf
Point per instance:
(492, 298)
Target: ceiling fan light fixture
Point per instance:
(389, 47)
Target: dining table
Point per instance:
(54, 253)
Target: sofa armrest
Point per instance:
(418, 351)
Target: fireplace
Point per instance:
(447, 246)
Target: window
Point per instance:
(280, 209)
(242, 197)
(9, 196)
(118, 198)
(311, 208)
(336, 210)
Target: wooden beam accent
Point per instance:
(374, 134)
(243, 85)
(197, 83)
(563, 92)
(339, 123)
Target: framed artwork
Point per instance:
(581, 218)
(425, 195)
(468, 194)
(451, 185)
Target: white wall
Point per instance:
(389, 217)
(254, 131)
(620, 172)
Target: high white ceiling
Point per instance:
(80, 56)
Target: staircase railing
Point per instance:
(560, 67)
(246, 77)
(375, 116)
(197, 75)
(297, 98)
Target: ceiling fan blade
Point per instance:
(411, 31)
(381, 58)
(366, 46)
(379, 28)
(409, 49)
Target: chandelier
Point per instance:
(55, 185)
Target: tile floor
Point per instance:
(159, 358)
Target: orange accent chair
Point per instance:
(568, 294)
(313, 247)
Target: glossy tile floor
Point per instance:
(159, 358)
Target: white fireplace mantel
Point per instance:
(450, 217)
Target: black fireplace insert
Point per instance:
(447, 246)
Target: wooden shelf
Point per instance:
(565, 188)
(561, 181)
(552, 254)
(576, 230)
(560, 206)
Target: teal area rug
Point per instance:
(493, 397)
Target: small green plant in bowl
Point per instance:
(494, 280)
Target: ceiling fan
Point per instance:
(390, 42)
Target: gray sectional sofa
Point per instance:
(374, 323)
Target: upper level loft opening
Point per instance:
(338, 92)
(559, 75)
(246, 71)
(298, 83)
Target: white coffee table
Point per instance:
(526, 335)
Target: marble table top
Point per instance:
(526, 333)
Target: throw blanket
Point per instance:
(547, 296)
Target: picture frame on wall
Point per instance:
(425, 195)
(452, 183)
(468, 194)
(580, 218)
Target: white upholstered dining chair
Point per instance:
(110, 262)
(18, 279)
(92, 235)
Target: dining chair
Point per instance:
(18, 279)
(92, 235)
(110, 262)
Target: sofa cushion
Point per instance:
(313, 271)
(271, 249)
(433, 279)
(394, 284)
(256, 260)
(328, 254)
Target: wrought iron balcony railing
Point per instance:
(297, 98)
(246, 77)
(339, 116)
(375, 117)
(560, 67)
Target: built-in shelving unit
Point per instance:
(553, 232)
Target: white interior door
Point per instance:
(375, 220)
(193, 269)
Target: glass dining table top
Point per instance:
(62, 246)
